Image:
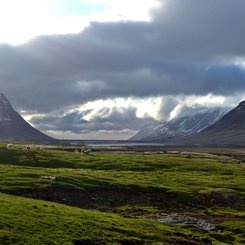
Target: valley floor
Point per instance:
(122, 195)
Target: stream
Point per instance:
(175, 218)
(180, 219)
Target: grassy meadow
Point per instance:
(119, 197)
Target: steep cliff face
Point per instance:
(13, 126)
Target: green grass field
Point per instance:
(132, 190)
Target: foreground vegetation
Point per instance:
(135, 190)
(27, 221)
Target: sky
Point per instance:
(102, 69)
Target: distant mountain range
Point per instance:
(14, 127)
(178, 127)
(217, 127)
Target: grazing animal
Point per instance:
(51, 178)
(26, 148)
(86, 151)
(10, 147)
(76, 151)
(38, 147)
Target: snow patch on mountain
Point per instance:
(182, 126)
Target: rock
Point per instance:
(102, 208)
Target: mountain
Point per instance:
(147, 131)
(14, 127)
(182, 126)
(228, 131)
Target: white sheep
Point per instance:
(10, 147)
(51, 178)
(76, 151)
(86, 151)
(38, 147)
(26, 148)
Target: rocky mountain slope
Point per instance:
(228, 131)
(14, 127)
(180, 127)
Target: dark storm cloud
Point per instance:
(202, 28)
(188, 48)
(106, 119)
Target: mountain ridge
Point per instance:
(14, 127)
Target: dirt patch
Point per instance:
(107, 199)
(97, 198)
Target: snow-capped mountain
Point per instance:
(14, 127)
(182, 126)
(228, 131)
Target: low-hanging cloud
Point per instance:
(107, 119)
